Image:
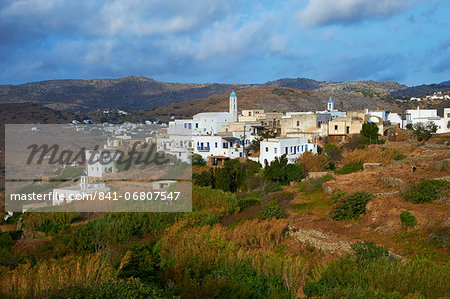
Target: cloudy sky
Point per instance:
(229, 41)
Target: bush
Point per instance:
(247, 202)
(312, 162)
(280, 171)
(350, 206)
(231, 177)
(369, 155)
(408, 219)
(273, 187)
(333, 152)
(204, 179)
(349, 168)
(316, 184)
(424, 132)
(197, 160)
(356, 141)
(271, 211)
(427, 191)
(398, 156)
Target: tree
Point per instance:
(370, 131)
(424, 132)
(197, 160)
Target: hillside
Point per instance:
(422, 90)
(140, 93)
(270, 99)
(129, 93)
(368, 86)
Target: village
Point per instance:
(218, 136)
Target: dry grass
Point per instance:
(369, 155)
(30, 281)
(312, 162)
(255, 234)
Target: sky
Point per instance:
(233, 41)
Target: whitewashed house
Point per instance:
(291, 147)
(216, 145)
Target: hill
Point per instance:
(422, 90)
(141, 93)
(129, 93)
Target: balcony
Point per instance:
(203, 148)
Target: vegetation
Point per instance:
(370, 131)
(280, 171)
(424, 132)
(349, 168)
(368, 273)
(312, 162)
(398, 156)
(350, 206)
(197, 160)
(408, 219)
(427, 191)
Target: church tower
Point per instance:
(330, 106)
(233, 106)
(83, 181)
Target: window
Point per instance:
(335, 127)
(185, 125)
(196, 125)
(298, 123)
(216, 144)
(267, 149)
(249, 114)
(348, 130)
(189, 126)
(306, 147)
(275, 150)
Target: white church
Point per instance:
(79, 191)
(203, 135)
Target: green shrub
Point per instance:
(350, 206)
(197, 160)
(272, 210)
(204, 179)
(247, 202)
(280, 171)
(349, 168)
(6, 241)
(408, 219)
(316, 184)
(273, 187)
(398, 156)
(427, 191)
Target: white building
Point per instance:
(216, 145)
(100, 162)
(291, 147)
(77, 192)
(425, 116)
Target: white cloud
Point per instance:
(325, 12)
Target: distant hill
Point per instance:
(422, 90)
(129, 93)
(141, 93)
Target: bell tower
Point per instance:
(330, 106)
(83, 181)
(233, 106)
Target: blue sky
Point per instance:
(225, 41)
